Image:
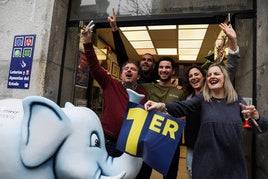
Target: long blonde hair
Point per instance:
(229, 92)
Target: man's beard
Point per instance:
(166, 79)
(147, 71)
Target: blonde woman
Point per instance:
(218, 151)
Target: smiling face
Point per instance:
(165, 71)
(196, 79)
(130, 74)
(215, 79)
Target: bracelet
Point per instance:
(164, 108)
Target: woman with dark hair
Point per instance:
(194, 81)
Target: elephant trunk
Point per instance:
(126, 163)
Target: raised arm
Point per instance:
(233, 51)
(96, 70)
(176, 108)
(119, 46)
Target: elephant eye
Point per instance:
(94, 140)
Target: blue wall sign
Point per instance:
(21, 61)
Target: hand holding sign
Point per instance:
(152, 135)
(151, 105)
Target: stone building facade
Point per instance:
(53, 69)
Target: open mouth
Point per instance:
(128, 75)
(196, 83)
(164, 74)
(213, 81)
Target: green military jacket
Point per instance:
(163, 94)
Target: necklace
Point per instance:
(218, 99)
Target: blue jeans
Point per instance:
(189, 160)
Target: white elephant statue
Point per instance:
(41, 140)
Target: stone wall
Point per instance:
(46, 19)
(261, 152)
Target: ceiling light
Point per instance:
(142, 44)
(192, 34)
(198, 26)
(188, 51)
(133, 28)
(187, 57)
(187, 39)
(190, 44)
(162, 27)
(166, 51)
(137, 35)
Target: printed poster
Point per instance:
(21, 62)
(152, 135)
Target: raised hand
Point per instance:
(87, 32)
(231, 34)
(112, 20)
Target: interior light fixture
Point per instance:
(188, 40)
(166, 51)
(133, 28)
(142, 44)
(137, 35)
(189, 44)
(162, 27)
(188, 51)
(187, 57)
(194, 34)
(193, 26)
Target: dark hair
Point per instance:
(187, 85)
(167, 58)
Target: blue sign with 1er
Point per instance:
(152, 135)
(21, 61)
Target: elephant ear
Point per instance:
(44, 128)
